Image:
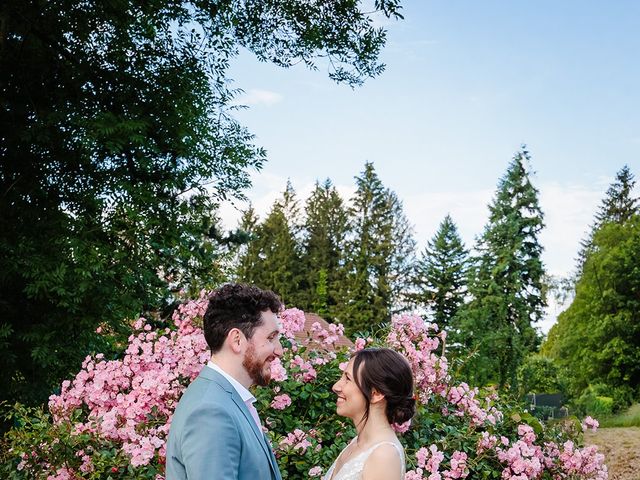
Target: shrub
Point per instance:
(111, 421)
(603, 400)
(539, 374)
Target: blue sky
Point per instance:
(466, 83)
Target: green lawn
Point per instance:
(630, 418)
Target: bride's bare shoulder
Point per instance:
(384, 463)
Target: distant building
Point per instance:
(309, 320)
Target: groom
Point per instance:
(215, 431)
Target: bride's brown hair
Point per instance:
(389, 373)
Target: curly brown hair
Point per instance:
(236, 305)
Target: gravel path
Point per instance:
(621, 448)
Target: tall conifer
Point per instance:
(617, 206)
(325, 233)
(507, 286)
(440, 282)
(381, 253)
(272, 256)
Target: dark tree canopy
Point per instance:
(272, 256)
(326, 229)
(116, 144)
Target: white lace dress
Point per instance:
(352, 468)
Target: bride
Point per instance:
(375, 391)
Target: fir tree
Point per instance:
(324, 240)
(507, 286)
(441, 274)
(381, 253)
(271, 259)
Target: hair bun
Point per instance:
(403, 410)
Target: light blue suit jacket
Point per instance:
(213, 436)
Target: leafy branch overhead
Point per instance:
(117, 142)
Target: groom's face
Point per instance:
(263, 348)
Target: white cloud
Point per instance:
(258, 97)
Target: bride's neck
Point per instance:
(374, 427)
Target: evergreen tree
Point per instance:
(321, 298)
(441, 274)
(243, 263)
(617, 206)
(381, 254)
(324, 240)
(271, 259)
(507, 285)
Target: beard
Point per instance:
(260, 375)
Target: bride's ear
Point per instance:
(376, 396)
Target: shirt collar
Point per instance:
(242, 391)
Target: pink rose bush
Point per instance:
(112, 419)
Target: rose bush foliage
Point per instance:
(111, 421)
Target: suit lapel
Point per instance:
(211, 374)
(262, 438)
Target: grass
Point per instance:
(630, 418)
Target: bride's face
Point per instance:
(350, 402)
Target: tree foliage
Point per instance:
(598, 337)
(507, 281)
(116, 143)
(617, 206)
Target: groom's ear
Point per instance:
(376, 396)
(235, 340)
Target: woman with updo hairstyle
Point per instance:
(374, 391)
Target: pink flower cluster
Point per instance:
(131, 400)
(429, 461)
(590, 424)
(278, 372)
(466, 402)
(325, 338)
(584, 463)
(418, 340)
(303, 369)
(315, 472)
(280, 402)
(486, 442)
(62, 473)
(292, 321)
(524, 460)
(296, 440)
(527, 461)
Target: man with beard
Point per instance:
(215, 431)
